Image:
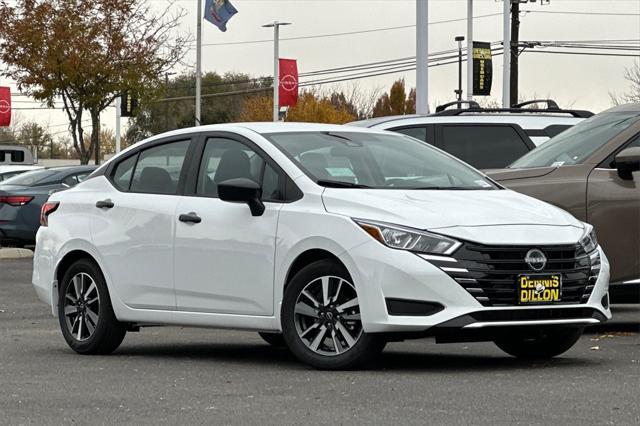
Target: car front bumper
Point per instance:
(380, 273)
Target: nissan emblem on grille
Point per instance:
(536, 259)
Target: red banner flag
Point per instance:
(5, 106)
(288, 90)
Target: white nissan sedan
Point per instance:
(329, 239)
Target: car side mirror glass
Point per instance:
(628, 161)
(242, 190)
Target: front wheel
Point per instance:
(321, 319)
(84, 310)
(546, 344)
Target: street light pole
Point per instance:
(276, 66)
(506, 56)
(118, 115)
(470, 50)
(458, 92)
(422, 55)
(199, 64)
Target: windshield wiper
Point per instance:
(339, 184)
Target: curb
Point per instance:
(15, 253)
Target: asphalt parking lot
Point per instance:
(195, 376)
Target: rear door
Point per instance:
(134, 222)
(484, 146)
(613, 207)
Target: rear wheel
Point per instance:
(544, 345)
(321, 319)
(86, 317)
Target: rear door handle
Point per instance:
(190, 218)
(105, 204)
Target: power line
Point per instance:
(570, 12)
(372, 30)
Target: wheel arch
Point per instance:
(308, 257)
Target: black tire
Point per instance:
(366, 346)
(274, 339)
(546, 344)
(108, 333)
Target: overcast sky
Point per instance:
(582, 81)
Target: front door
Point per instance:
(224, 263)
(613, 208)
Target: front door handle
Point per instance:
(105, 204)
(190, 218)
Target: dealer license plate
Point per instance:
(539, 288)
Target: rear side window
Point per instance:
(484, 147)
(419, 133)
(158, 169)
(123, 172)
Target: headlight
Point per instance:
(414, 240)
(589, 242)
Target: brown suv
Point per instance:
(591, 170)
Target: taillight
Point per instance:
(15, 200)
(47, 209)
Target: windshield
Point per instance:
(29, 178)
(575, 145)
(370, 160)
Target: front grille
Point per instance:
(490, 273)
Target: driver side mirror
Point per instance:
(627, 162)
(242, 190)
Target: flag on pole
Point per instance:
(5, 106)
(288, 89)
(218, 12)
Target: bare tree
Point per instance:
(632, 75)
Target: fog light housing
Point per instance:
(605, 301)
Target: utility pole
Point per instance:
(470, 50)
(422, 56)
(276, 66)
(513, 51)
(458, 92)
(118, 115)
(506, 57)
(199, 64)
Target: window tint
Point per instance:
(123, 172)
(484, 147)
(158, 169)
(225, 159)
(419, 133)
(17, 156)
(73, 180)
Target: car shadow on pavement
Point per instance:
(390, 360)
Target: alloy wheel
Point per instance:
(327, 316)
(82, 306)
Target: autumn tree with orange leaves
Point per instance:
(311, 107)
(83, 54)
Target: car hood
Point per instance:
(510, 174)
(497, 216)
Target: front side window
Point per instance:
(225, 159)
(575, 145)
(484, 147)
(379, 161)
